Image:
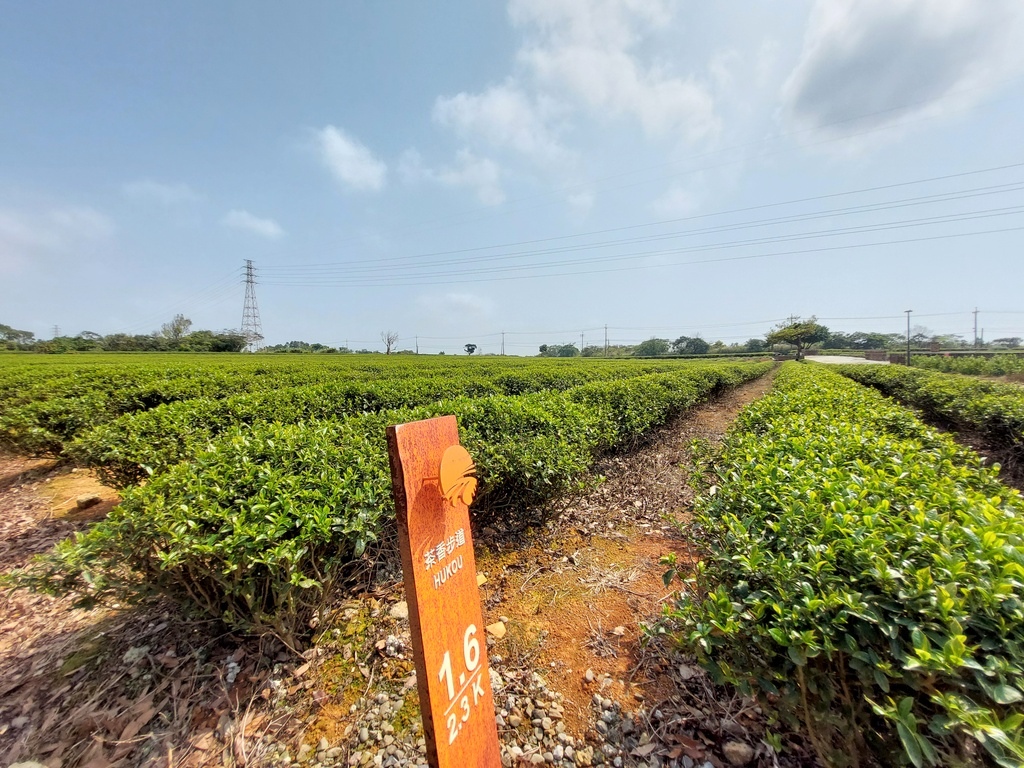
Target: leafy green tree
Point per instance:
(754, 345)
(652, 348)
(690, 345)
(176, 330)
(470, 349)
(1011, 342)
(559, 350)
(800, 334)
(12, 338)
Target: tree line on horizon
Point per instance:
(798, 334)
(174, 336)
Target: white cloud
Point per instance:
(165, 194)
(868, 63)
(245, 221)
(481, 174)
(582, 61)
(351, 162)
(504, 116)
(28, 237)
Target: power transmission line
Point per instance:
(873, 206)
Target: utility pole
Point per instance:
(908, 311)
(975, 326)
(252, 327)
(581, 343)
(606, 341)
(417, 345)
(502, 343)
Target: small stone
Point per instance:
(602, 728)
(324, 744)
(546, 723)
(537, 759)
(496, 630)
(515, 721)
(687, 761)
(497, 682)
(334, 753)
(738, 753)
(400, 610)
(589, 676)
(364, 735)
(558, 753)
(304, 750)
(88, 500)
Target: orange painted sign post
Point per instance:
(433, 481)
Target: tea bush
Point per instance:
(992, 409)
(1002, 364)
(864, 575)
(257, 528)
(133, 447)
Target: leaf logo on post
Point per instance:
(458, 475)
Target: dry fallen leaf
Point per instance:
(645, 750)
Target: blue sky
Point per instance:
(543, 168)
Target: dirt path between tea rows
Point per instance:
(567, 601)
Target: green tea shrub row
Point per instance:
(991, 409)
(257, 528)
(47, 415)
(864, 575)
(135, 446)
(44, 407)
(974, 365)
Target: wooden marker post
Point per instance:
(433, 481)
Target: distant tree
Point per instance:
(690, 345)
(389, 338)
(470, 349)
(559, 350)
(1010, 342)
(652, 348)
(177, 329)
(754, 345)
(12, 337)
(800, 334)
(593, 351)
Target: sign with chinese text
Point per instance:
(433, 479)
